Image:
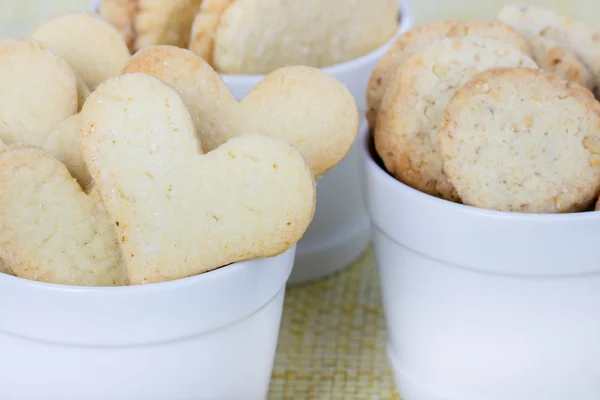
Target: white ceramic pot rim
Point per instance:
(223, 273)
(406, 20)
(486, 241)
(144, 314)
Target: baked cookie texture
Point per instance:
(560, 45)
(308, 108)
(38, 90)
(4, 269)
(91, 45)
(63, 143)
(50, 230)
(179, 212)
(516, 139)
(406, 132)
(260, 36)
(151, 22)
(420, 36)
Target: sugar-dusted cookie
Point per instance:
(259, 36)
(517, 139)
(179, 212)
(406, 132)
(303, 105)
(50, 230)
(151, 22)
(559, 45)
(420, 36)
(91, 45)
(38, 89)
(63, 143)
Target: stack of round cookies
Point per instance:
(496, 115)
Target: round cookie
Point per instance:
(560, 61)
(559, 45)
(420, 36)
(38, 89)
(257, 37)
(91, 45)
(517, 139)
(145, 23)
(406, 132)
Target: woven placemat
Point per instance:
(332, 339)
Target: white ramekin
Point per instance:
(485, 305)
(211, 336)
(340, 231)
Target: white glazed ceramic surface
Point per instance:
(340, 230)
(482, 304)
(211, 336)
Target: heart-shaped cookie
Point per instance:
(63, 143)
(38, 89)
(50, 230)
(178, 212)
(91, 45)
(311, 110)
(4, 268)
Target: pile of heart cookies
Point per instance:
(257, 36)
(499, 115)
(125, 170)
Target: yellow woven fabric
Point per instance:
(332, 339)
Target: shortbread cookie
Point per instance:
(522, 140)
(63, 143)
(91, 45)
(568, 48)
(82, 91)
(204, 28)
(4, 269)
(406, 133)
(121, 14)
(560, 61)
(50, 230)
(152, 22)
(38, 89)
(178, 212)
(308, 108)
(259, 36)
(420, 36)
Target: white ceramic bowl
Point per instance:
(340, 230)
(207, 337)
(485, 305)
